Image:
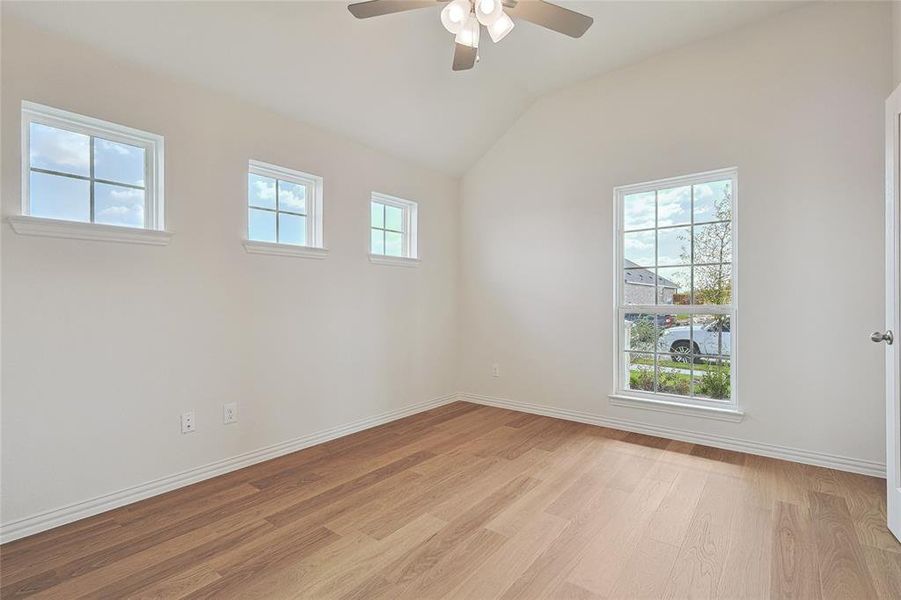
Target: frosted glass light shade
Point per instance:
(489, 11)
(500, 28)
(469, 35)
(454, 15)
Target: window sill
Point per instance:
(25, 225)
(394, 261)
(733, 415)
(254, 247)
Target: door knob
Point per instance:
(886, 337)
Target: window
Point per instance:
(675, 290)
(392, 232)
(77, 168)
(283, 207)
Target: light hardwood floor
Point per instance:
(474, 502)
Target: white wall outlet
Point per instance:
(187, 422)
(495, 370)
(230, 413)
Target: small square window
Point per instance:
(392, 227)
(78, 168)
(283, 206)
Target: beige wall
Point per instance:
(896, 19)
(104, 344)
(797, 104)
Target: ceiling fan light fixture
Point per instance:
(489, 11)
(454, 15)
(500, 28)
(469, 35)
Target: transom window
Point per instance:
(675, 289)
(392, 227)
(283, 206)
(78, 168)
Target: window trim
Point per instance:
(622, 396)
(314, 248)
(153, 145)
(410, 257)
(79, 230)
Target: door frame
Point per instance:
(892, 309)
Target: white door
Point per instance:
(892, 311)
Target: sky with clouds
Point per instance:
(267, 226)
(60, 197)
(672, 209)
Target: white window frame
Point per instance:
(410, 257)
(153, 145)
(728, 410)
(313, 184)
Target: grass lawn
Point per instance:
(677, 365)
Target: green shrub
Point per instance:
(674, 383)
(641, 379)
(644, 334)
(715, 383)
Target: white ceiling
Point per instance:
(385, 81)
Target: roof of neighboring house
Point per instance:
(640, 275)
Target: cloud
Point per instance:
(121, 206)
(289, 200)
(673, 245)
(119, 162)
(127, 195)
(639, 247)
(706, 196)
(291, 196)
(121, 149)
(120, 210)
(262, 191)
(638, 210)
(265, 190)
(674, 206)
(122, 215)
(59, 150)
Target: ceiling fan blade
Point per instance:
(376, 8)
(464, 57)
(549, 15)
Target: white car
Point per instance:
(710, 339)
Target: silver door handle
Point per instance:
(887, 337)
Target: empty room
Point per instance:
(450, 299)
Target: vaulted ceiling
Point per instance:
(386, 81)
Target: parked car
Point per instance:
(661, 320)
(710, 339)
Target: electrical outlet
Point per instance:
(187, 422)
(495, 370)
(230, 413)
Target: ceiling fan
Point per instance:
(464, 19)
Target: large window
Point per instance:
(78, 168)
(283, 206)
(392, 227)
(675, 289)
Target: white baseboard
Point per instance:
(808, 457)
(47, 520)
(60, 516)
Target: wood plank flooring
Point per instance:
(467, 501)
